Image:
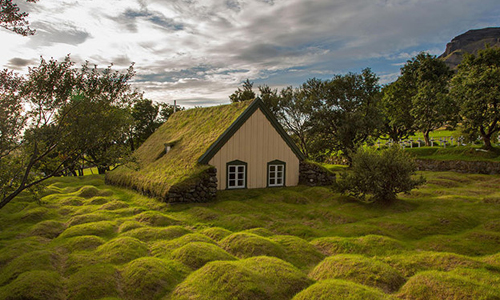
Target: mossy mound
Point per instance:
(216, 233)
(372, 245)
(340, 289)
(84, 242)
(154, 218)
(196, 255)
(471, 243)
(31, 261)
(12, 250)
(250, 279)
(114, 205)
(94, 282)
(238, 222)
(72, 201)
(88, 218)
(97, 200)
(298, 251)
(129, 225)
(147, 234)
(78, 260)
(35, 285)
(436, 285)
(35, 215)
(48, 229)
(294, 197)
(359, 269)
(411, 263)
(204, 213)
(150, 278)
(121, 250)
(260, 231)
(493, 260)
(102, 228)
(162, 248)
(246, 245)
(88, 191)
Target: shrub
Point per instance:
(381, 174)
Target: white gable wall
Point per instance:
(256, 142)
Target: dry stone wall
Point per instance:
(314, 175)
(204, 189)
(473, 167)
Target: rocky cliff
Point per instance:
(470, 42)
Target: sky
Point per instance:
(198, 52)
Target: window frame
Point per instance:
(276, 163)
(236, 163)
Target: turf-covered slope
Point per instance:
(190, 133)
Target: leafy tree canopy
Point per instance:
(476, 87)
(56, 116)
(244, 93)
(13, 19)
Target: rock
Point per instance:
(470, 42)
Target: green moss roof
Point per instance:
(191, 132)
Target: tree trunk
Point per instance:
(101, 169)
(426, 138)
(486, 139)
(80, 171)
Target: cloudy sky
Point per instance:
(199, 51)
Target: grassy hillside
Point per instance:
(87, 240)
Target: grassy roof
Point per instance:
(191, 132)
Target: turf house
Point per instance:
(202, 150)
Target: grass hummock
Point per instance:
(438, 242)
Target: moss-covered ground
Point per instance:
(87, 240)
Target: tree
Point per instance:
(398, 123)
(49, 141)
(11, 18)
(291, 108)
(344, 110)
(145, 113)
(476, 86)
(246, 93)
(380, 175)
(425, 80)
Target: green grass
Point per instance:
(89, 240)
(466, 153)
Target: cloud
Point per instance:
(130, 17)
(49, 34)
(204, 49)
(18, 63)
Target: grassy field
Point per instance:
(87, 240)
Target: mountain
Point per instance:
(470, 42)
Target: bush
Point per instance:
(381, 174)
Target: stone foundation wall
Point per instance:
(203, 190)
(473, 167)
(314, 175)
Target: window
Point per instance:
(276, 173)
(236, 175)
